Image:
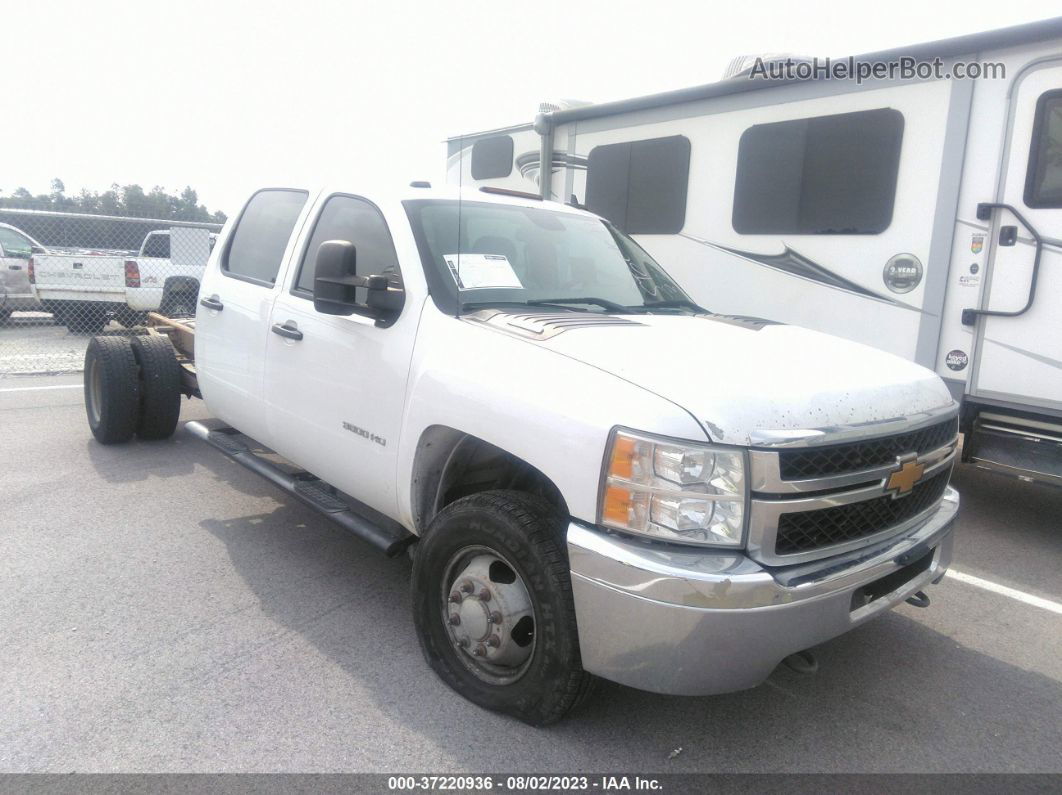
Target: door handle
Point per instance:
(14, 267)
(1008, 235)
(984, 213)
(213, 302)
(288, 330)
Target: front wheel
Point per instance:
(492, 604)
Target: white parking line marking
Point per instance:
(40, 388)
(1003, 590)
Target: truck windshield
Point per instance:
(527, 256)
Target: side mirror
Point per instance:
(336, 285)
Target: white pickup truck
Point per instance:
(594, 475)
(85, 289)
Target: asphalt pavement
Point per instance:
(162, 609)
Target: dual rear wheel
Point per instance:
(132, 388)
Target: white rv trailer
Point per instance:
(920, 216)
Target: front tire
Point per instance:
(493, 608)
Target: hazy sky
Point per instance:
(227, 96)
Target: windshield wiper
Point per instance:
(604, 303)
(677, 303)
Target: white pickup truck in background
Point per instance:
(595, 475)
(165, 274)
(16, 292)
(84, 290)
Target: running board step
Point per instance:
(388, 536)
(1016, 447)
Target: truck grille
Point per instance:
(815, 462)
(806, 531)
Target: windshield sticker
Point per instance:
(481, 271)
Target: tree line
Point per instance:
(125, 200)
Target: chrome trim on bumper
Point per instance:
(685, 621)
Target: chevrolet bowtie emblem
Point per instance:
(906, 475)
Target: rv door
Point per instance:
(1018, 358)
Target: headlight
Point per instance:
(675, 491)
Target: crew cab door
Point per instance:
(235, 301)
(1019, 358)
(335, 385)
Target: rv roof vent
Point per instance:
(741, 66)
(420, 183)
(562, 104)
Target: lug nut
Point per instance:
(494, 641)
(467, 587)
(479, 651)
(455, 620)
(456, 598)
(495, 617)
(484, 595)
(464, 643)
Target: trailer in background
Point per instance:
(919, 216)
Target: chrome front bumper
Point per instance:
(696, 622)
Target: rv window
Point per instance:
(828, 175)
(1043, 185)
(492, 157)
(640, 186)
(261, 235)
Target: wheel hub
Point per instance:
(489, 614)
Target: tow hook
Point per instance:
(918, 599)
(803, 662)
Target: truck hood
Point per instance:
(746, 380)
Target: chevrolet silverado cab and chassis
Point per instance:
(594, 476)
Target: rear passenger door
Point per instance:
(336, 392)
(235, 301)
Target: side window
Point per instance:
(360, 222)
(492, 157)
(819, 176)
(14, 244)
(1043, 183)
(640, 186)
(261, 235)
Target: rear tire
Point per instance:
(112, 389)
(160, 386)
(509, 544)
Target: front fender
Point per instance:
(550, 410)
